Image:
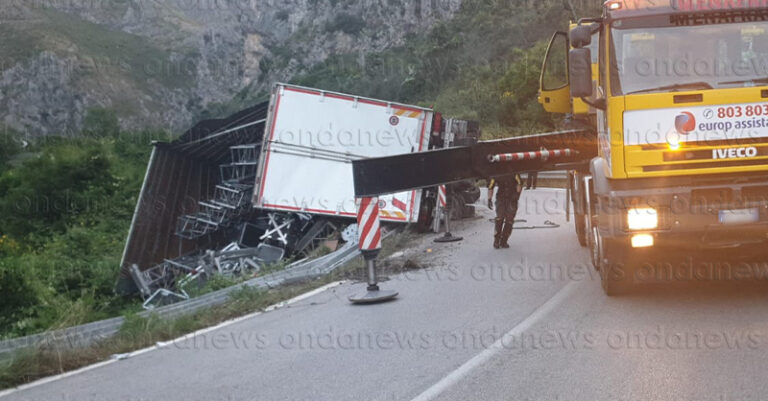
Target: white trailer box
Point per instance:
(312, 136)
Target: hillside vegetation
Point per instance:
(66, 202)
(64, 214)
(483, 64)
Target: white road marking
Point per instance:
(457, 375)
(117, 358)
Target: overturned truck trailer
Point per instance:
(312, 139)
(181, 174)
(278, 173)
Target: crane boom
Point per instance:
(378, 176)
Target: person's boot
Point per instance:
(506, 232)
(497, 233)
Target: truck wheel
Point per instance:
(580, 206)
(580, 220)
(594, 247)
(615, 277)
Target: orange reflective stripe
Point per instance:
(407, 113)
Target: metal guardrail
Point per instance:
(553, 175)
(90, 333)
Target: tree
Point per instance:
(9, 146)
(100, 122)
(519, 88)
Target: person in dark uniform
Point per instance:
(509, 189)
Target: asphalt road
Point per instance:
(528, 323)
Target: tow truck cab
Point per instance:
(680, 101)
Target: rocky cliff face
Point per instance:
(161, 63)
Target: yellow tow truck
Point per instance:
(680, 101)
(667, 136)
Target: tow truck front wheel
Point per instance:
(594, 247)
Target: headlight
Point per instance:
(673, 139)
(642, 219)
(642, 241)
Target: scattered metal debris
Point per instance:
(166, 283)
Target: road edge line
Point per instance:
(160, 346)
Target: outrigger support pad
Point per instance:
(447, 238)
(373, 293)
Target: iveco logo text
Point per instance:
(734, 153)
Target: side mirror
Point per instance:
(580, 72)
(581, 35)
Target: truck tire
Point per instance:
(593, 242)
(615, 277)
(580, 220)
(580, 206)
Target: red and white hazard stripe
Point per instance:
(442, 196)
(369, 227)
(541, 154)
(399, 204)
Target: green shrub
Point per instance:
(45, 194)
(100, 122)
(63, 219)
(17, 295)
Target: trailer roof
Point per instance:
(210, 139)
(344, 96)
